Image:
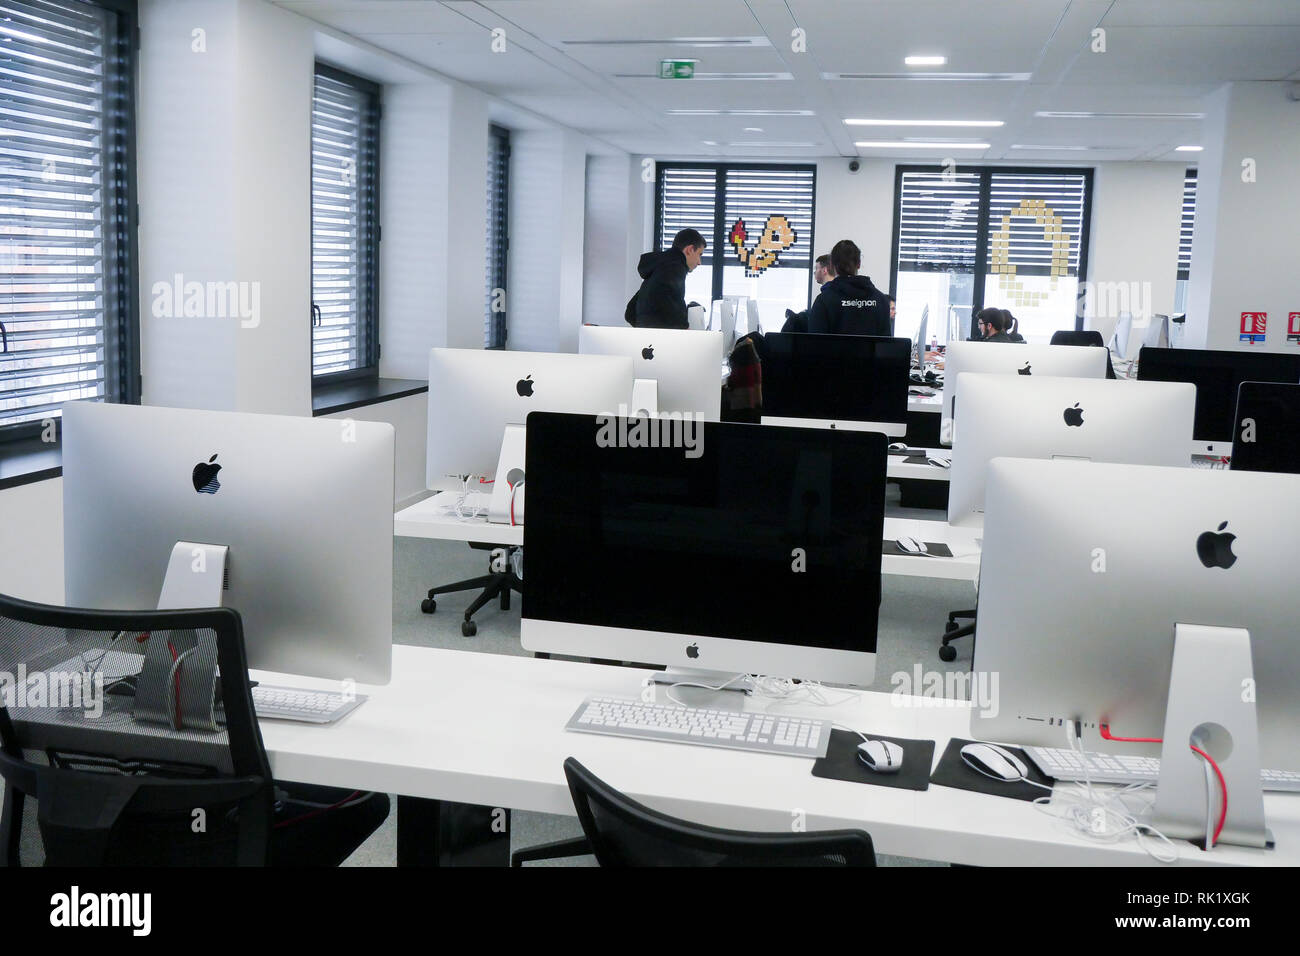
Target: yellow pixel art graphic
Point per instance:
(778, 235)
(999, 253)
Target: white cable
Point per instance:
(668, 691)
(1209, 802)
(784, 690)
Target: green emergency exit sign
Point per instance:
(677, 69)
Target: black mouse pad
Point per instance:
(933, 548)
(919, 460)
(841, 762)
(953, 772)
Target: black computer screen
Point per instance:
(1267, 428)
(861, 378)
(767, 534)
(1217, 374)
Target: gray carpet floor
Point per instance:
(912, 613)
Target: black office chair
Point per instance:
(622, 832)
(113, 788)
(1085, 337)
(495, 585)
(952, 631)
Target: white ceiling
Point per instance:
(1161, 56)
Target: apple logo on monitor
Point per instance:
(525, 387)
(1074, 416)
(1025, 370)
(692, 651)
(205, 477)
(648, 352)
(1215, 550)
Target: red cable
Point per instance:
(318, 811)
(177, 682)
(1104, 730)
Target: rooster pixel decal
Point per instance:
(778, 235)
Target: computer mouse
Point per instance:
(882, 756)
(898, 446)
(939, 462)
(994, 761)
(911, 545)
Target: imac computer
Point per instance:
(1120, 337)
(1217, 374)
(1136, 423)
(856, 382)
(1014, 358)
(684, 364)
(733, 557)
(1268, 428)
(479, 401)
(287, 520)
(1157, 333)
(722, 318)
(1168, 612)
(920, 340)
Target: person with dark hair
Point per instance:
(993, 325)
(822, 273)
(849, 304)
(1012, 327)
(660, 303)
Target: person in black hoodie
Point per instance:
(849, 304)
(660, 303)
(822, 274)
(993, 325)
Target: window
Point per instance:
(1185, 241)
(498, 237)
(1011, 238)
(68, 288)
(714, 199)
(344, 226)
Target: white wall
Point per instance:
(1244, 238)
(410, 417)
(31, 541)
(608, 282)
(857, 206)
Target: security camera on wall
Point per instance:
(1293, 91)
(854, 165)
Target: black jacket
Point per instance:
(999, 337)
(660, 303)
(850, 305)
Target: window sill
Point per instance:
(342, 396)
(29, 460)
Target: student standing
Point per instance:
(660, 303)
(849, 304)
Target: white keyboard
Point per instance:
(765, 733)
(1218, 464)
(297, 703)
(1119, 768)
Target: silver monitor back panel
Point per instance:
(1086, 569)
(1091, 419)
(683, 362)
(305, 506)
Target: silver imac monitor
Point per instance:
(921, 331)
(475, 393)
(1078, 605)
(683, 363)
(1075, 418)
(1157, 333)
(734, 555)
(304, 507)
(849, 382)
(1013, 358)
(1119, 339)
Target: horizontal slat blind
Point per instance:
(687, 200)
(342, 223)
(53, 196)
(1185, 228)
(755, 194)
(498, 219)
(1036, 223)
(938, 225)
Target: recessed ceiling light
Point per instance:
(677, 41)
(767, 144)
(740, 113)
(1054, 148)
(968, 77)
(1057, 114)
(1188, 149)
(920, 145)
(925, 60)
(893, 122)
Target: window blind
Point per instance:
(1185, 228)
(938, 222)
(67, 223)
(755, 194)
(1036, 222)
(498, 237)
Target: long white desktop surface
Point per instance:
(488, 729)
(426, 520)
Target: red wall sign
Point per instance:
(1253, 327)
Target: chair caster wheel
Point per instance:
(428, 605)
(947, 653)
(468, 628)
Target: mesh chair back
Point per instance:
(623, 832)
(159, 776)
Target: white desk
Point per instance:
(898, 468)
(426, 520)
(488, 730)
(924, 403)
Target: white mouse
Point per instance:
(911, 545)
(882, 756)
(940, 462)
(898, 446)
(994, 761)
